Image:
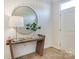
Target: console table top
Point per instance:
(24, 40)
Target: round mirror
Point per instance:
(29, 16)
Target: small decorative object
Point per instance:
(33, 27)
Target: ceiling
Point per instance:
(49, 1)
(63, 1)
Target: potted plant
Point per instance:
(33, 27)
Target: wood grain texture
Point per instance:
(11, 49)
(39, 46)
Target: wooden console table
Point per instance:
(39, 45)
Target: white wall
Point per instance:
(55, 23)
(42, 9)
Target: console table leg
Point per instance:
(40, 47)
(11, 49)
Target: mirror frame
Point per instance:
(36, 20)
(27, 7)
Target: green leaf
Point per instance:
(32, 26)
(39, 27)
(27, 28)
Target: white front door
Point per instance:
(67, 25)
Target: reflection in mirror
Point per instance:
(29, 16)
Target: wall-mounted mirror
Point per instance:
(29, 16)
